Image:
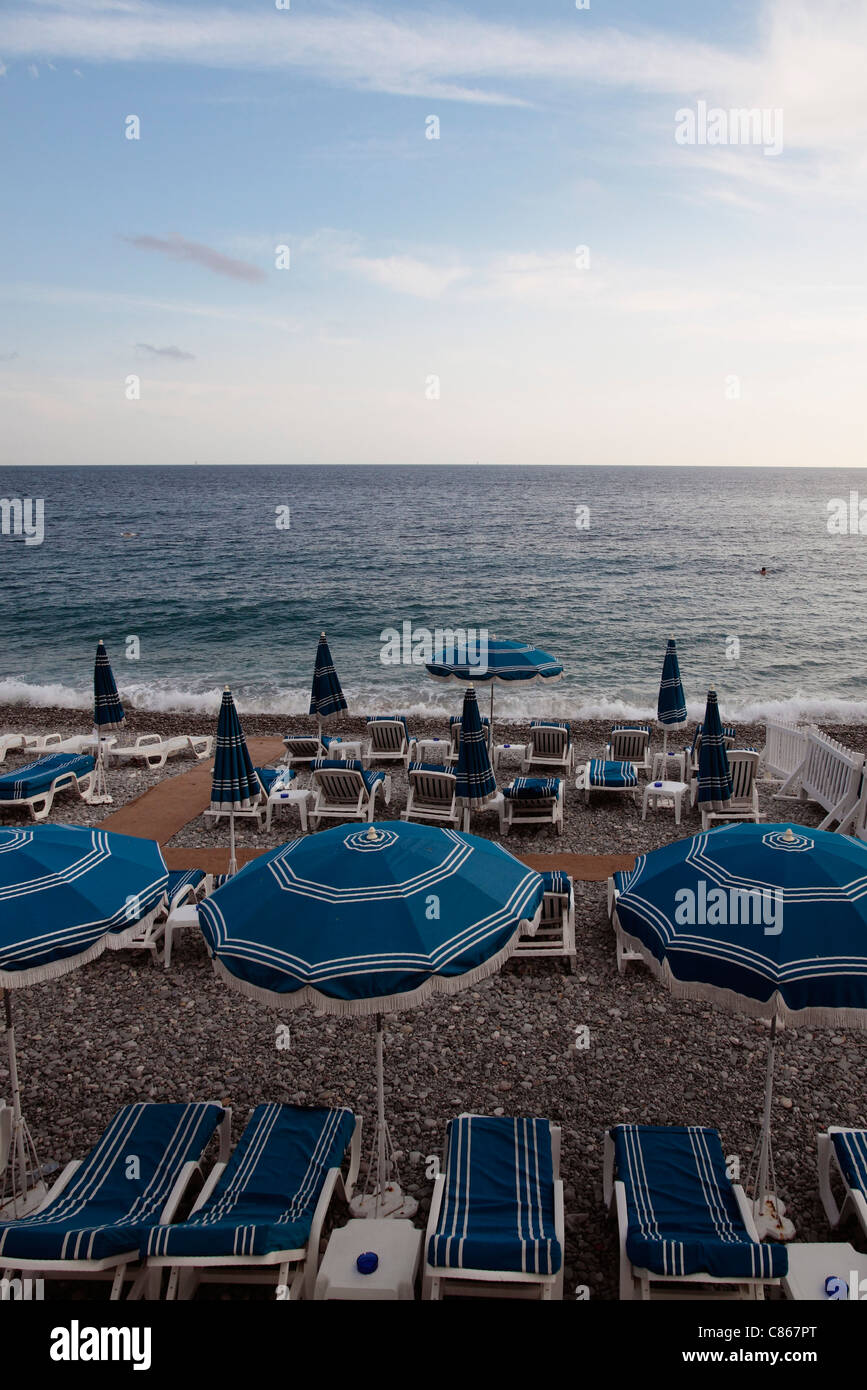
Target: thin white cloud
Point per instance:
(177, 248)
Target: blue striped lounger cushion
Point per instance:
(103, 1211)
(556, 881)
(643, 728)
(683, 1217)
(269, 775)
(533, 788)
(497, 1210)
(37, 777)
(266, 1197)
(551, 724)
(850, 1146)
(430, 767)
(369, 778)
(390, 719)
(183, 878)
(610, 774)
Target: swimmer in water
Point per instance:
(763, 571)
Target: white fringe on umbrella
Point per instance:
(53, 970)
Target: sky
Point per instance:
(561, 277)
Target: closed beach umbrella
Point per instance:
(476, 783)
(369, 921)
(67, 893)
(671, 706)
(326, 697)
(500, 661)
(766, 920)
(108, 716)
(235, 786)
(714, 777)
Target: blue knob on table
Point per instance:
(367, 1262)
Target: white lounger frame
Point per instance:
(455, 732)
(153, 749)
(340, 794)
(125, 1265)
(548, 747)
(303, 749)
(582, 783)
(157, 930)
(387, 742)
(40, 805)
(555, 934)
(830, 775)
(854, 1203)
(628, 745)
(256, 811)
(744, 803)
(645, 1284)
(495, 1283)
(189, 1271)
(432, 796)
(518, 812)
(11, 743)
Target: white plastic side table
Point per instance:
(347, 748)
(669, 767)
(186, 915)
(810, 1265)
(668, 791)
(297, 797)
(398, 1246)
(442, 746)
(517, 750)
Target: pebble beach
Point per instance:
(123, 1029)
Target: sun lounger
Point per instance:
(550, 746)
(388, 740)
(153, 750)
(682, 1221)
(268, 778)
(617, 884)
(303, 748)
(601, 775)
(744, 802)
(184, 886)
(95, 1220)
(844, 1151)
(259, 1218)
(345, 790)
(496, 1224)
(533, 801)
(45, 746)
(10, 743)
(36, 784)
(555, 934)
(455, 731)
(694, 749)
(432, 795)
(629, 743)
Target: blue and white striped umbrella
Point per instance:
(476, 783)
(234, 786)
(368, 920)
(767, 920)
(67, 893)
(499, 661)
(671, 706)
(108, 712)
(714, 776)
(326, 697)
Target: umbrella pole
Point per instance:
(492, 715)
(381, 1174)
(233, 863)
(765, 1140)
(664, 739)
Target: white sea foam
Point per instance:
(439, 702)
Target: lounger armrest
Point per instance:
(311, 1264)
(210, 1183)
(556, 1136)
(225, 1132)
(145, 740)
(608, 1169)
(167, 1215)
(60, 1183)
(745, 1207)
(354, 1159)
(434, 1213)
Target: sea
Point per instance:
(200, 577)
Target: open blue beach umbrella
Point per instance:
(370, 920)
(671, 706)
(476, 783)
(326, 697)
(767, 920)
(235, 786)
(67, 893)
(714, 776)
(498, 660)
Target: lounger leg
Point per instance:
(117, 1283)
(826, 1150)
(167, 946)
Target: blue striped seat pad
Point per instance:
(183, 878)
(390, 719)
(110, 1202)
(612, 774)
(551, 724)
(638, 728)
(682, 1214)
(850, 1146)
(369, 778)
(431, 767)
(326, 740)
(497, 1211)
(37, 777)
(533, 788)
(265, 1199)
(269, 775)
(556, 881)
